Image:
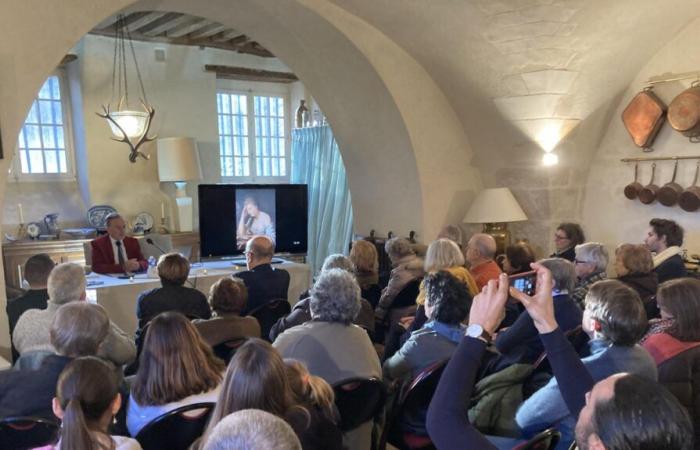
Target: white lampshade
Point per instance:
(493, 206)
(177, 159)
(132, 122)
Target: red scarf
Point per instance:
(663, 346)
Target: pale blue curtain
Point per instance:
(316, 161)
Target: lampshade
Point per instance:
(177, 159)
(494, 205)
(132, 122)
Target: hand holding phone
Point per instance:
(525, 282)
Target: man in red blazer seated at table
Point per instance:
(116, 252)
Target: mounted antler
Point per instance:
(135, 153)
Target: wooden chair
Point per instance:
(20, 433)
(359, 400)
(176, 429)
(544, 440)
(269, 313)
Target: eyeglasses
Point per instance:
(576, 261)
(559, 237)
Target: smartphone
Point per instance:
(524, 282)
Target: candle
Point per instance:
(21, 213)
(162, 210)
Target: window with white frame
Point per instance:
(253, 136)
(44, 147)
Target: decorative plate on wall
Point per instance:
(33, 229)
(143, 222)
(97, 214)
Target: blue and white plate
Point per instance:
(143, 222)
(97, 214)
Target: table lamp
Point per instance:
(494, 208)
(178, 162)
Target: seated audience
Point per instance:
(257, 378)
(451, 232)
(590, 265)
(115, 252)
(252, 429)
(621, 412)
(674, 343)
(634, 267)
(176, 368)
(173, 295)
(77, 329)
(264, 282)
(407, 267)
(36, 272)
(330, 345)
(87, 399)
(67, 284)
(614, 319)
(664, 239)
(566, 238)
(520, 343)
(447, 302)
(365, 261)
(518, 258)
(318, 397)
(301, 312)
(227, 298)
(481, 251)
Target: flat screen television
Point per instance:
(230, 214)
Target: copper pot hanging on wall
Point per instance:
(632, 189)
(690, 198)
(648, 193)
(684, 111)
(643, 118)
(670, 192)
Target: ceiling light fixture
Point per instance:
(550, 159)
(128, 125)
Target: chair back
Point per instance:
(176, 429)
(87, 250)
(359, 400)
(407, 296)
(544, 440)
(269, 313)
(417, 395)
(20, 433)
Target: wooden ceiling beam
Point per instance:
(134, 21)
(207, 31)
(247, 74)
(144, 29)
(187, 28)
(253, 48)
(165, 27)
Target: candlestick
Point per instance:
(21, 213)
(162, 210)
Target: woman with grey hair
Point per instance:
(330, 345)
(407, 268)
(590, 264)
(252, 429)
(301, 312)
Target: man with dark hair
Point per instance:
(36, 272)
(664, 239)
(614, 319)
(263, 281)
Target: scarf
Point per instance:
(453, 333)
(664, 255)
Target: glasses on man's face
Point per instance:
(560, 237)
(578, 261)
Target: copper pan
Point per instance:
(648, 193)
(690, 198)
(684, 111)
(632, 189)
(670, 192)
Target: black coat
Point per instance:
(672, 268)
(264, 283)
(681, 376)
(646, 285)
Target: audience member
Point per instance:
(614, 319)
(407, 268)
(36, 272)
(264, 282)
(67, 284)
(365, 261)
(481, 251)
(173, 295)
(675, 343)
(87, 399)
(330, 345)
(447, 302)
(566, 238)
(590, 264)
(257, 378)
(252, 429)
(520, 343)
(634, 267)
(451, 232)
(664, 238)
(176, 368)
(115, 252)
(77, 329)
(620, 412)
(301, 312)
(227, 298)
(518, 258)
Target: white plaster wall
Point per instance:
(608, 216)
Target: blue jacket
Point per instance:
(546, 407)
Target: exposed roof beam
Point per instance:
(246, 74)
(207, 31)
(187, 28)
(167, 17)
(165, 27)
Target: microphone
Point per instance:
(150, 241)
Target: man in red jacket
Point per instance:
(116, 252)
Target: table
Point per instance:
(118, 296)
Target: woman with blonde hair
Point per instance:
(634, 266)
(176, 368)
(365, 260)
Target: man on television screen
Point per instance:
(253, 222)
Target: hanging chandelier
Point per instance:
(128, 125)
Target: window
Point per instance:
(43, 145)
(253, 136)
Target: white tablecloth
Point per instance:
(118, 296)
